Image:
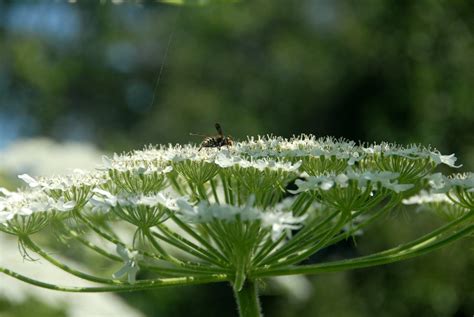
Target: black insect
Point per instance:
(218, 140)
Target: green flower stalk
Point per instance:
(238, 215)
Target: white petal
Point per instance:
(5, 216)
(29, 180)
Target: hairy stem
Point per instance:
(247, 300)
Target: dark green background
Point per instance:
(399, 71)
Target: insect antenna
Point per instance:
(197, 134)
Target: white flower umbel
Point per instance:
(76, 187)
(238, 214)
(25, 203)
(227, 160)
(144, 211)
(462, 190)
(205, 212)
(448, 205)
(387, 180)
(27, 212)
(79, 178)
(352, 190)
(425, 197)
(104, 200)
(465, 181)
(141, 173)
(139, 164)
(278, 221)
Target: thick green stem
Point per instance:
(247, 300)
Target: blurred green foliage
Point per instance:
(25, 309)
(370, 70)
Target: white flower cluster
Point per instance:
(37, 198)
(465, 181)
(425, 197)
(440, 183)
(158, 156)
(227, 160)
(103, 200)
(439, 188)
(78, 179)
(28, 202)
(205, 212)
(63, 193)
(261, 152)
(309, 145)
(159, 160)
(305, 145)
(278, 221)
(363, 179)
(139, 163)
(411, 152)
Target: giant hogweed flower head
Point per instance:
(238, 214)
(262, 167)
